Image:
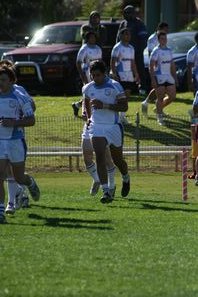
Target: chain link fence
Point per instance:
(54, 143)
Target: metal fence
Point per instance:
(54, 143)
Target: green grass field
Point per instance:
(70, 245)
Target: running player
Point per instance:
(192, 62)
(104, 99)
(194, 134)
(163, 75)
(123, 66)
(88, 52)
(12, 149)
(152, 42)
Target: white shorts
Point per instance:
(85, 133)
(163, 78)
(112, 133)
(13, 150)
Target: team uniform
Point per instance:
(163, 57)
(86, 55)
(195, 126)
(104, 122)
(192, 58)
(124, 54)
(12, 146)
(152, 42)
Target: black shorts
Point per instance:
(128, 85)
(165, 84)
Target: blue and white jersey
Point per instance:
(12, 105)
(108, 93)
(23, 91)
(163, 58)
(87, 54)
(192, 58)
(195, 101)
(152, 42)
(124, 54)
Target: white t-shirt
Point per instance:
(12, 105)
(87, 54)
(124, 54)
(108, 93)
(163, 57)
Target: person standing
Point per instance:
(192, 64)
(100, 32)
(138, 40)
(163, 75)
(152, 42)
(123, 67)
(104, 99)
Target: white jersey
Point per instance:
(124, 54)
(163, 58)
(195, 101)
(23, 91)
(152, 42)
(192, 57)
(12, 105)
(108, 93)
(87, 54)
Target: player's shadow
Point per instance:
(72, 222)
(164, 208)
(65, 208)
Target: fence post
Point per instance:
(137, 134)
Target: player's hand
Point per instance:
(7, 122)
(96, 104)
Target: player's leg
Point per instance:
(23, 178)
(99, 145)
(117, 155)
(171, 95)
(12, 187)
(149, 99)
(3, 165)
(123, 118)
(110, 172)
(87, 150)
(160, 92)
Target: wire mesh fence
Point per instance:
(54, 143)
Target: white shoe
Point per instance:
(10, 209)
(94, 188)
(160, 119)
(144, 105)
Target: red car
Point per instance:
(48, 63)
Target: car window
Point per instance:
(180, 44)
(57, 35)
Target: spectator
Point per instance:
(99, 30)
(163, 75)
(95, 26)
(192, 62)
(139, 37)
(151, 44)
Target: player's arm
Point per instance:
(173, 72)
(120, 105)
(189, 75)
(113, 68)
(24, 122)
(87, 107)
(134, 70)
(81, 73)
(152, 66)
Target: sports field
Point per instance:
(69, 244)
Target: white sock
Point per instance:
(93, 172)
(111, 175)
(105, 188)
(145, 101)
(12, 189)
(2, 208)
(126, 178)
